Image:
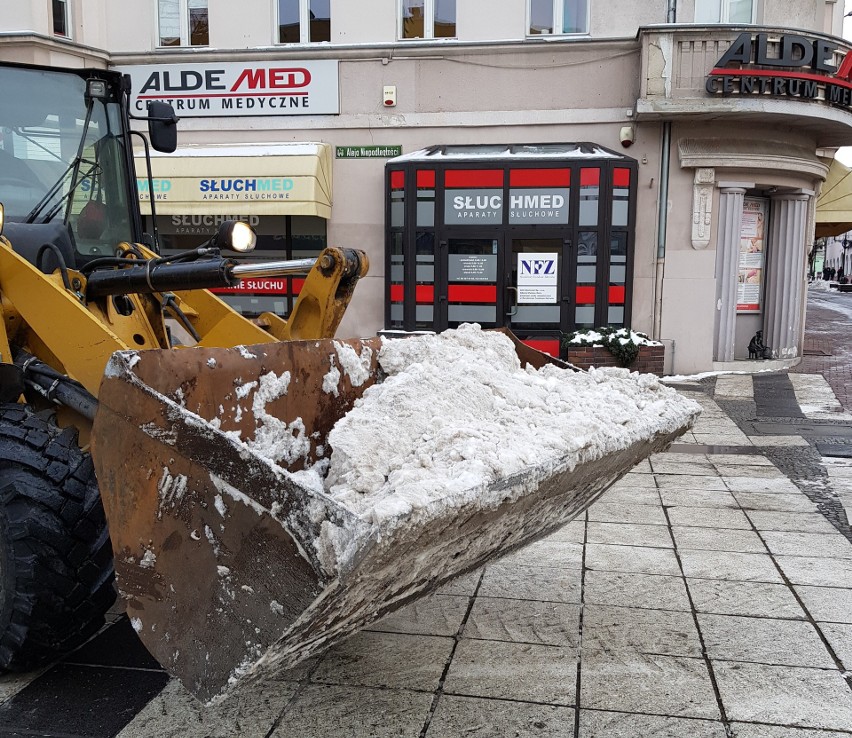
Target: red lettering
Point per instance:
(845, 70)
(279, 79)
(289, 78)
(254, 77)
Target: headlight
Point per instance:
(236, 235)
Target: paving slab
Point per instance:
(729, 565)
(632, 495)
(518, 671)
(524, 621)
(649, 591)
(831, 604)
(822, 572)
(354, 712)
(648, 684)
(456, 717)
(697, 498)
(630, 534)
(601, 724)
(607, 512)
(774, 501)
(717, 539)
(636, 559)
(839, 638)
(829, 545)
(784, 695)
(633, 631)
(545, 584)
(709, 517)
(754, 730)
(392, 660)
(803, 522)
(754, 599)
(764, 640)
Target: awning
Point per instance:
(834, 204)
(279, 179)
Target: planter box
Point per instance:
(649, 361)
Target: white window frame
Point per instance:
(428, 22)
(66, 4)
(725, 11)
(304, 24)
(183, 26)
(558, 20)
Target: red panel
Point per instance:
(473, 178)
(547, 346)
(396, 293)
(621, 177)
(397, 180)
(472, 293)
(590, 177)
(424, 293)
(616, 295)
(540, 178)
(585, 295)
(426, 179)
(297, 285)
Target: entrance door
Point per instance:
(535, 279)
(501, 280)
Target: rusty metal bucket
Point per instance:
(232, 569)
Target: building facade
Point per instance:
(547, 165)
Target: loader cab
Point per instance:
(66, 169)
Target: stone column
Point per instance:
(727, 263)
(785, 274)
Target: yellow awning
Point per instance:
(834, 204)
(278, 179)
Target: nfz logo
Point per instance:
(539, 267)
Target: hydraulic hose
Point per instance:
(55, 386)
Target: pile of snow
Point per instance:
(820, 285)
(457, 412)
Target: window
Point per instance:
(61, 23)
(558, 17)
(183, 23)
(724, 11)
(304, 21)
(427, 19)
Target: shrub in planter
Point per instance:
(622, 343)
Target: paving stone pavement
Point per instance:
(708, 594)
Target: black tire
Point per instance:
(56, 569)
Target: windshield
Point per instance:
(62, 158)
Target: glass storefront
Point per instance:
(538, 239)
(278, 237)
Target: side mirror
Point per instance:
(162, 126)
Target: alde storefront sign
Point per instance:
(790, 66)
(223, 89)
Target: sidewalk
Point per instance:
(707, 594)
(703, 595)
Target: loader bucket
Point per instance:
(236, 564)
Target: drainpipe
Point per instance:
(671, 12)
(663, 206)
(662, 226)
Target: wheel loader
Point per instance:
(132, 400)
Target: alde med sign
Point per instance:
(791, 65)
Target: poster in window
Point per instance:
(752, 256)
(537, 278)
